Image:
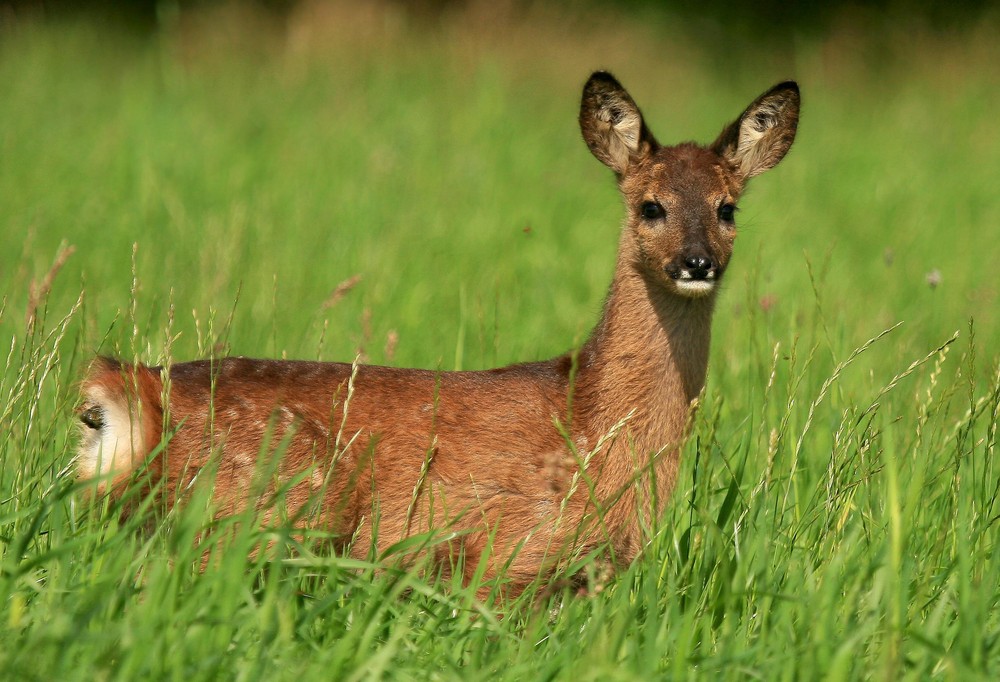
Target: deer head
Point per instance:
(681, 200)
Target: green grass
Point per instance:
(837, 511)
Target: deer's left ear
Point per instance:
(761, 136)
(612, 124)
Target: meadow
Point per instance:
(361, 182)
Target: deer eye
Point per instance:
(726, 213)
(652, 210)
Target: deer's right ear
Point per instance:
(612, 124)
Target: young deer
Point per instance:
(531, 463)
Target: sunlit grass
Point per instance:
(836, 514)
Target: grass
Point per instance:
(836, 515)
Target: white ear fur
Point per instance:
(621, 136)
(762, 135)
(612, 124)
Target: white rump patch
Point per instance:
(109, 449)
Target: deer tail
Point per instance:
(121, 419)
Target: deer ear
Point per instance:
(612, 124)
(761, 136)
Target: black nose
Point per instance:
(698, 266)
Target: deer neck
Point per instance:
(645, 362)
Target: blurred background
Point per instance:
(771, 16)
(406, 180)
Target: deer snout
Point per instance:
(692, 266)
(699, 267)
(694, 273)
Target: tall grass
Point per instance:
(836, 515)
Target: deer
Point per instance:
(526, 465)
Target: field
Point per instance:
(414, 190)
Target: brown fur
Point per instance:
(543, 460)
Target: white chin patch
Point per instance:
(694, 287)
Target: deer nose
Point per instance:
(698, 266)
